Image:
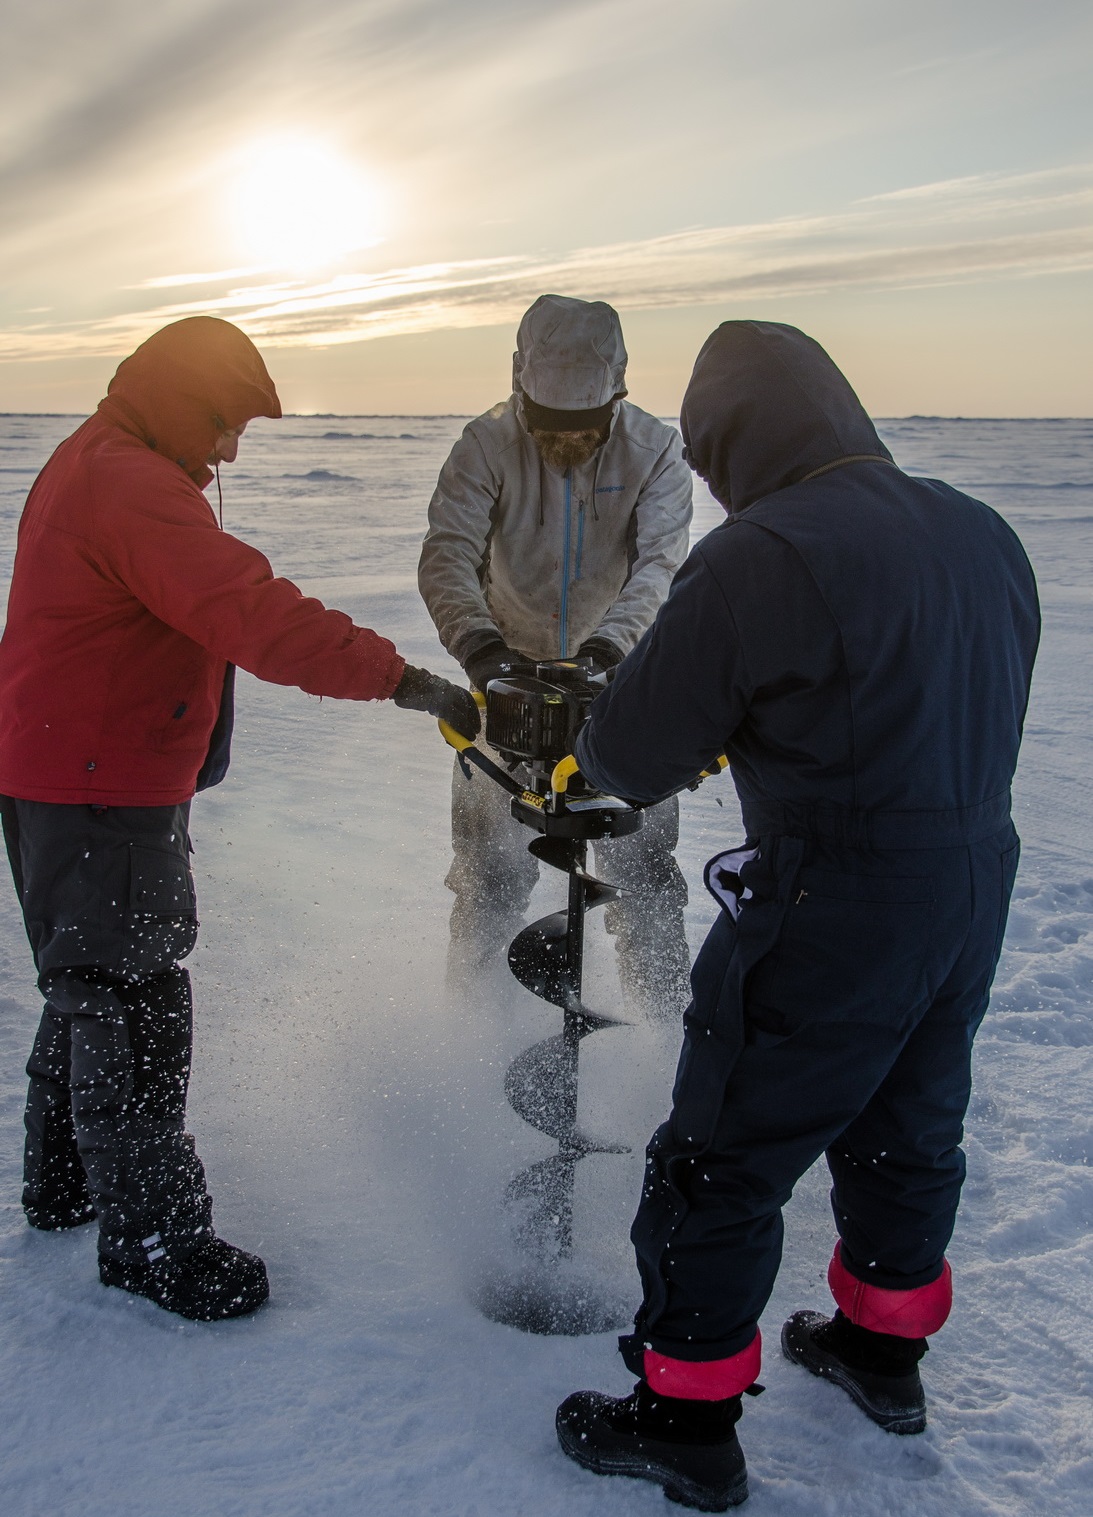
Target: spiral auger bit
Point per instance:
(541, 1084)
(533, 721)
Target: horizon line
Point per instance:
(460, 415)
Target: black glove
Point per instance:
(493, 660)
(418, 690)
(602, 654)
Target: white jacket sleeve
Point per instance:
(662, 519)
(451, 570)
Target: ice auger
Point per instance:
(533, 721)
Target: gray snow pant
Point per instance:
(108, 900)
(493, 875)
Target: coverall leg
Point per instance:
(836, 1014)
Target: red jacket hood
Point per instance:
(185, 385)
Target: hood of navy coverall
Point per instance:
(765, 408)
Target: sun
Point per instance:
(298, 204)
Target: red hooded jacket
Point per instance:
(127, 600)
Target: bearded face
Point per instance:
(568, 450)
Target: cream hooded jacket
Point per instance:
(543, 559)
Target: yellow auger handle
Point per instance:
(564, 770)
(567, 767)
(456, 739)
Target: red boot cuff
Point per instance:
(706, 1379)
(903, 1314)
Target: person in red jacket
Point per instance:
(129, 609)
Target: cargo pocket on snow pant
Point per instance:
(162, 911)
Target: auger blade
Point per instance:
(537, 957)
(542, 1199)
(580, 1143)
(541, 1085)
(596, 892)
(548, 1181)
(559, 853)
(592, 1021)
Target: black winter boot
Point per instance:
(877, 1370)
(216, 1281)
(689, 1448)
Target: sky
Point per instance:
(376, 189)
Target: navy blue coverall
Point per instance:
(860, 643)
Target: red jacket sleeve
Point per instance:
(159, 538)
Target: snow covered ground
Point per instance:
(353, 1123)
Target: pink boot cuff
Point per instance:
(904, 1314)
(706, 1379)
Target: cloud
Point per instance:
(1030, 225)
(142, 83)
(133, 84)
(178, 281)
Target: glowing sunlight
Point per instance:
(297, 204)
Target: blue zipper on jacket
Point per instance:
(563, 635)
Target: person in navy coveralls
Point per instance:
(860, 644)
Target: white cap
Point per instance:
(570, 354)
